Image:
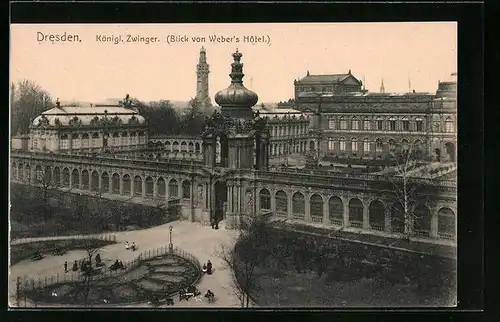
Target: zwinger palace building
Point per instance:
(350, 122)
(224, 174)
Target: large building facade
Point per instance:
(99, 128)
(353, 123)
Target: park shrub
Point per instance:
(54, 212)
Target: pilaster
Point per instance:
(326, 210)
(366, 219)
(290, 204)
(387, 213)
(346, 212)
(434, 223)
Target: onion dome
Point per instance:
(237, 100)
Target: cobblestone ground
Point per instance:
(201, 241)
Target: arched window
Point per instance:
(85, 141)
(316, 208)
(124, 139)
(133, 138)
(377, 215)
(355, 213)
(419, 124)
(380, 124)
(115, 139)
(404, 145)
(75, 141)
(104, 180)
(342, 144)
(331, 144)
(281, 204)
(64, 142)
(173, 189)
(126, 184)
(367, 125)
(75, 178)
(422, 221)
(343, 124)
(142, 138)
(406, 124)
(183, 146)
(331, 123)
(66, 177)
(57, 177)
(95, 140)
(397, 218)
(175, 146)
(186, 189)
(115, 181)
(38, 174)
(366, 145)
(355, 124)
(298, 206)
(160, 183)
(446, 223)
(85, 179)
(149, 187)
(138, 186)
(336, 211)
(392, 145)
(392, 123)
(354, 145)
(265, 199)
(448, 125)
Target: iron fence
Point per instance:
(25, 240)
(25, 284)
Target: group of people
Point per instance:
(118, 264)
(207, 268)
(192, 291)
(130, 247)
(85, 265)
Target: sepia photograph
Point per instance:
(233, 165)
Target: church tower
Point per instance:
(382, 88)
(202, 71)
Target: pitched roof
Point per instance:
(333, 78)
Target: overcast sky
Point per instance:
(93, 71)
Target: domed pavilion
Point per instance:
(241, 132)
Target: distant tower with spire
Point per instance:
(382, 88)
(202, 71)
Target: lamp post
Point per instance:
(170, 245)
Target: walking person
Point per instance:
(209, 268)
(65, 267)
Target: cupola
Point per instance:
(236, 100)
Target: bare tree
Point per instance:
(244, 258)
(408, 188)
(227, 255)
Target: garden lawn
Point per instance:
(24, 251)
(302, 270)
